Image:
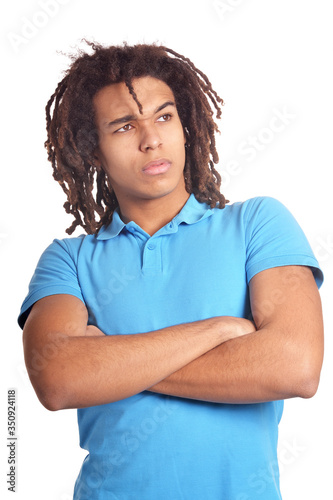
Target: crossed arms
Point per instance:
(222, 359)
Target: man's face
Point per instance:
(142, 154)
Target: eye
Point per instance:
(165, 118)
(124, 128)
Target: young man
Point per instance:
(179, 323)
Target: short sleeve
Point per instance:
(56, 273)
(274, 238)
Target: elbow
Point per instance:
(309, 387)
(49, 394)
(50, 401)
(304, 371)
(311, 370)
(306, 382)
(298, 387)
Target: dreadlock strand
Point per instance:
(71, 138)
(133, 94)
(207, 86)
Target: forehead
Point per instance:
(116, 100)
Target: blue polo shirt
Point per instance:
(198, 266)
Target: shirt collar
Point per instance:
(193, 211)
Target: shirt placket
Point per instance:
(152, 258)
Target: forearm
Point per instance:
(254, 368)
(94, 370)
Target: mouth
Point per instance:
(157, 167)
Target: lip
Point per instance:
(156, 167)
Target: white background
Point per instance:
(262, 57)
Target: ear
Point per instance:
(186, 134)
(97, 158)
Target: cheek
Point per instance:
(112, 157)
(181, 136)
(176, 139)
(180, 145)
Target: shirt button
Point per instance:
(151, 246)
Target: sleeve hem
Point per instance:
(40, 294)
(289, 260)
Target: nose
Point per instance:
(150, 138)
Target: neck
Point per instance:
(152, 215)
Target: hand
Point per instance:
(244, 326)
(232, 327)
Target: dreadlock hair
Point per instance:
(72, 135)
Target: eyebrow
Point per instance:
(129, 118)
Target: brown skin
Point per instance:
(126, 148)
(281, 360)
(224, 359)
(78, 366)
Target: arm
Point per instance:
(282, 359)
(73, 366)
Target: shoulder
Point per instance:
(252, 211)
(264, 215)
(252, 205)
(71, 246)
